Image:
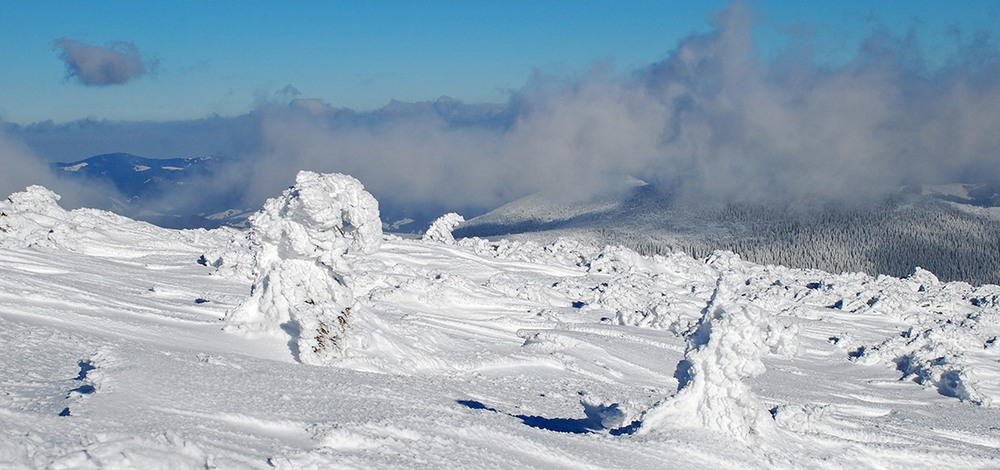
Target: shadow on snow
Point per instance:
(592, 423)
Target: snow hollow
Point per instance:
(313, 340)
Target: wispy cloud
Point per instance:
(115, 64)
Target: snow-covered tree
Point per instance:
(302, 280)
(440, 229)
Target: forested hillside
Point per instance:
(892, 236)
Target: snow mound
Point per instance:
(727, 348)
(28, 217)
(33, 219)
(651, 292)
(440, 229)
(939, 357)
(36, 199)
(298, 243)
(947, 345)
(321, 217)
(562, 252)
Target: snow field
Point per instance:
(126, 345)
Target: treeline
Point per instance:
(892, 237)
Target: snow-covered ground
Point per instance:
(304, 342)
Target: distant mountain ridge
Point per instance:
(136, 176)
(952, 230)
(171, 192)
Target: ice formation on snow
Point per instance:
(440, 229)
(725, 349)
(302, 282)
(28, 217)
(938, 348)
(34, 199)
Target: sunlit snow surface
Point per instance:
(479, 354)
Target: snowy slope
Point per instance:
(126, 345)
(952, 230)
(980, 195)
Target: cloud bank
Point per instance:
(710, 120)
(115, 64)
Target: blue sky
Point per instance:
(225, 58)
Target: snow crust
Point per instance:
(470, 353)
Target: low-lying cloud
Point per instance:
(740, 127)
(115, 64)
(21, 169)
(711, 120)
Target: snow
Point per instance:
(297, 244)
(126, 345)
(440, 229)
(75, 168)
(725, 349)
